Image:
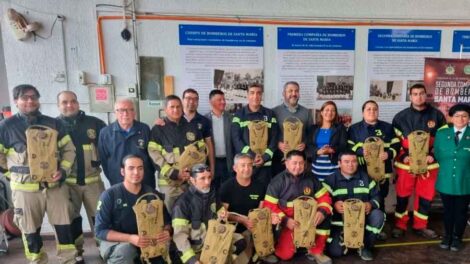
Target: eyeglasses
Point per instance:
(198, 168)
(123, 110)
(25, 97)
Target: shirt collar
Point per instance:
(462, 131)
(290, 108)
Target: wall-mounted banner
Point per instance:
(395, 62)
(461, 42)
(229, 58)
(447, 81)
(321, 60)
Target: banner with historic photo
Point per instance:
(395, 62)
(221, 57)
(321, 60)
(447, 82)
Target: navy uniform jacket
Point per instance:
(114, 144)
(241, 134)
(115, 211)
(358, 132)
(84, 131)
(360, 186)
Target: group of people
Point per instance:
(235, 176)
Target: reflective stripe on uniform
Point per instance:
(189, 253)
(322, 232)
(321, 192)
(179, 222)
(271, 199)
(398, 215)
(358, 145)
(340, 191)
(361, 190)
(245, 149)
(165, 169)
(269, 152)
(162, 182)
(154, 146)
(420, 215)
(66, 164)
(65, 246)
(64, 141)
(30, 186)
(72, 179)
(327, 205)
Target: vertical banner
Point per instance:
(395, 62)
(229, 58)
(321, 60)
(448, 81)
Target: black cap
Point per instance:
(458, 108)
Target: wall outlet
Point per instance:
(106, 79)
(132, 90)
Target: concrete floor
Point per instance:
(424, 252)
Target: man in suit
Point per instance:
(221, 135)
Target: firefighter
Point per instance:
(419, 116)
(84, 181)
(191, 214)
(167, 143)
(254, 111)
(116, 223)
(371, 126)
(348, 182)
(32, 199)
(290, 184)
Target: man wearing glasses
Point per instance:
(123, 137)
(32, 197)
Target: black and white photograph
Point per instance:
(386, 91)
(235, 82)
(335, 87)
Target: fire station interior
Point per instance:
(104, 50)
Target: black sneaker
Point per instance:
(445, 242)
(397, 232)
(426, 233)
(456, 245)
(365, 254)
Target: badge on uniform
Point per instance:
(141, 143)
(190, 136)
(431, 123)
(91, 133)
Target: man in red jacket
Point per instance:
(295, 181)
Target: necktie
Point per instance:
(456, 138)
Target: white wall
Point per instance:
(38, 62)
(3, 77)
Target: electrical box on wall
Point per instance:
(132, 90)
(101, 98)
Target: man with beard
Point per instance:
(290, 108)
(85, 180)
(33, 198)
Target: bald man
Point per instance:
(123, 137)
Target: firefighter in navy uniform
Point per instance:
(33, 199)
(84, 181)
(167, 143)
(346, 183)
(191, 214)
(371, 126)
(290, 184)
(419, 116)
(254, 111)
